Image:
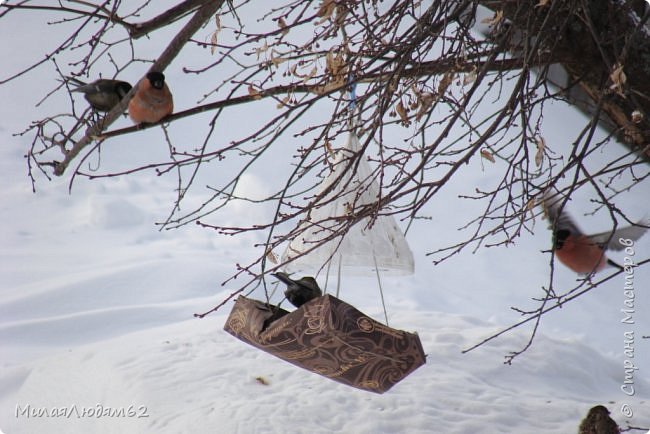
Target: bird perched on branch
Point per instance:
(152, 100)
(598, 421)
(299, 291)
(102, 94)
(584, 254)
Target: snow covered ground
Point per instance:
(96, 317)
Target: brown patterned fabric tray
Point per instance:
(331, 338)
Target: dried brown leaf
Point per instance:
(329, 149)
(213, 37)
(326, 10)
(272, 257)
(447, 79)
(402, 112)
(530, 205)
(310, 75)
(283, 102)
(276, 58)
(487, 155)
(263, 49)
(470, 77)
(335, 63)
(425, 101)
(213, 43)
(618, 79)
(495, 20)
(342, 12)
(283, 26)
(541, 146)
(254, 92)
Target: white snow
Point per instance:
(96, 315)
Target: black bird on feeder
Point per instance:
(299, 291)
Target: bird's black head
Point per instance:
(599, 409)
(122, 88)
(311, 284)
(560, 237)
(157, 79)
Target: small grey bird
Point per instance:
(598, 421)
(103, 94)
(299, 291)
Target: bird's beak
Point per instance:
(283, 277)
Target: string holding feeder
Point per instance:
(352, 105)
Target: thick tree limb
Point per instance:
(140, 29)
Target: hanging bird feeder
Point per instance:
(325, 335)
(331, 338)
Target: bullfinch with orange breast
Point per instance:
(103, 94)
(152, 100)
(584, 254)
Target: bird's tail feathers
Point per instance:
(76, 82)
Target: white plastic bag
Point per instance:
(363, 248)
